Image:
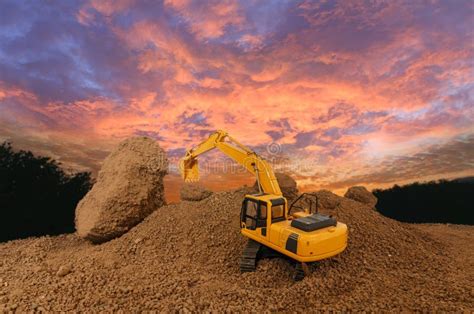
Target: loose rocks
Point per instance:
(360, 194)
(129, 187)
(64, 270)
(194, 192)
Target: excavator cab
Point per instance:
(259, 211)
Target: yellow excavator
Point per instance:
(265, 219)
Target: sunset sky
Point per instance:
(337, 93)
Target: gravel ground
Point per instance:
(186, 257)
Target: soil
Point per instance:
(194, 192)
(185, 257)
(458, 241)
(361, 194)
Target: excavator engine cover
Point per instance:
(313, 222)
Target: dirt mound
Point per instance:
(287, 185)
(185, 257)
(326, 200)
(362, 195)
(129, 187)
(194, 192)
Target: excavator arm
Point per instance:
(239, 153)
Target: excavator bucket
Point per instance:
(189, 169)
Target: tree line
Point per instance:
(442, 201)
(36, 196)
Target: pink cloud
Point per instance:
(209, 19)
(110, 7)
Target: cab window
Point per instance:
(251, 214)
(277, 212)
(263, 211)
(252, 209)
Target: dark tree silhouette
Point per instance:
(440, 201)
(36, 196)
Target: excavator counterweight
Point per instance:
(264, 218)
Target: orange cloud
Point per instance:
(208, 19)
(110, 7)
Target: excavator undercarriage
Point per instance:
(255, 251)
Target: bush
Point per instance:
(440, 201)
(36, 196)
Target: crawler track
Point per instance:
(299, 272)
(248, 261)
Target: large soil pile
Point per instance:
(186, 257)
(129, 187)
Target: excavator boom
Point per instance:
(239, 153)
